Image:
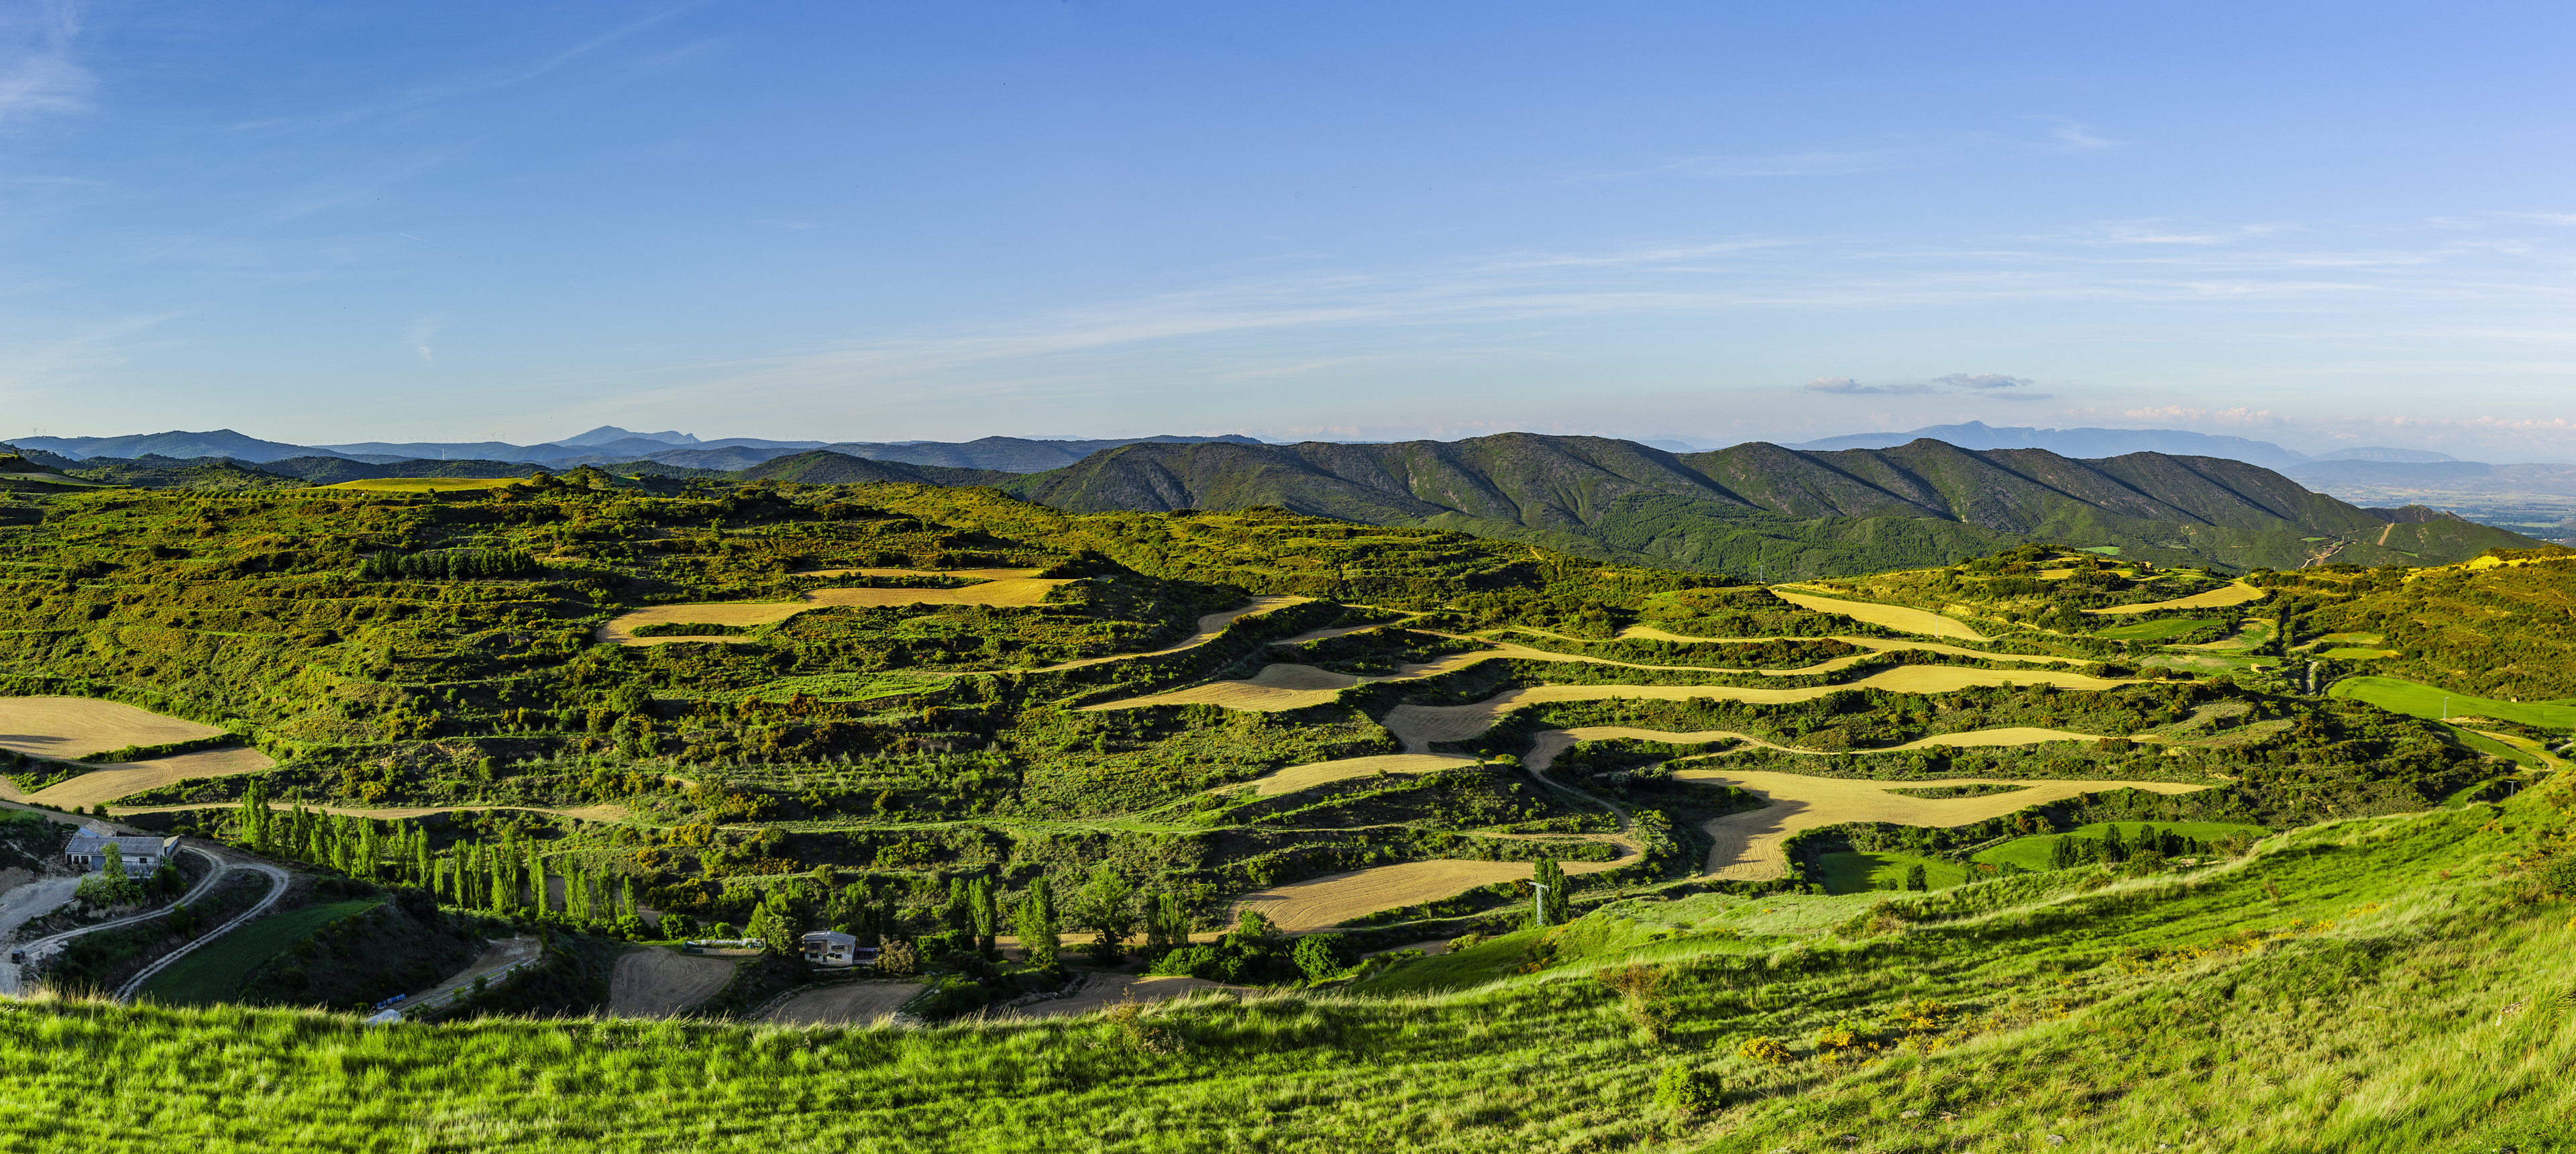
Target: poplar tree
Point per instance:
(1035, 924)
(255, 815)
(979, 897)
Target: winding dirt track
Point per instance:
(1748, 845)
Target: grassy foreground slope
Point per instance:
(2383, 984)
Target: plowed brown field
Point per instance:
(660, 983)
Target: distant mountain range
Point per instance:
(1780, 511)
(606, 445)
(2092, 443)
(1756, 508)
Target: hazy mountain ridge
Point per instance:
(1768, 507)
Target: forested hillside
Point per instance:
(1763, 508)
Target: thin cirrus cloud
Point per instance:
(1996, 386)
(1846, 386)
(36, 70)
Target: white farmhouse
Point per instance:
(824, 947)
(141, 854)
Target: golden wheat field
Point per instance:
(1897, 617)
(1748, 845)
(2236, 593)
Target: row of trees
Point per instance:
(450, 565)
(507, 878)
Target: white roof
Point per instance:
(88, 842)
(829, 938)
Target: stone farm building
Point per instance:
(142, 855)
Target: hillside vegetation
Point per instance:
(1759, 508)
(2217, 1009)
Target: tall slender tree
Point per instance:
(1034, 922)
(987, 916)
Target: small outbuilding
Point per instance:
(141, 854)
(826, 948)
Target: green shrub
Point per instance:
(1689, 1090)
(1320, 956)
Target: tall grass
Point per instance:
(2335, 991)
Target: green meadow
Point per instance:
(2423, 700)
(2032, 853)
(2216, 1011)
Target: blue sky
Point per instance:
(2325, 225)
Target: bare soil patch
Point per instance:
(69, 727)
(856, 1004)
(656, 982)
(1748, 845)
(495, 955)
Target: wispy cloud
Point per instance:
(37, 74)
(2148, 232)
(418, 335)
(1846, 386)
(2072, 133)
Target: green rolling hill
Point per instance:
(1761, 507)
